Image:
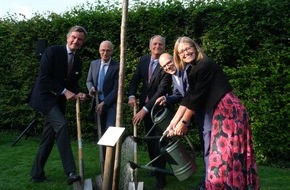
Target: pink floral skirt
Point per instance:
(232, 164)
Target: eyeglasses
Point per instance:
(188, 49)
(105, 50)
(166, 65)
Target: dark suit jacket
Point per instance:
(111, 80)
(160, 83)
(52, 79)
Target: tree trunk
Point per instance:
(119, 116)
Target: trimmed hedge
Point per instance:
(250, 39)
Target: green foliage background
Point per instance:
(249, 38)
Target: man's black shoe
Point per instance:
(72, 177)
(160, 185)
(39, 180)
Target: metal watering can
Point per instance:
(180, 161)
(161, 117)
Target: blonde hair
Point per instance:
(180, 65)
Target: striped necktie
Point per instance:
(150, 70)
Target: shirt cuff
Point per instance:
(63, 91)
(144, 108)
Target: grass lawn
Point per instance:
(16, 164)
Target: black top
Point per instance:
(207, 85)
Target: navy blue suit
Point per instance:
(47, 97)
(52, 79)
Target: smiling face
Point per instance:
(75, 40)
(106, 51)
(166, 63)
(186, 52)
(157, 46)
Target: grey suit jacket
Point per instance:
(111, 80)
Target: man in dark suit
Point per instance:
(103, 78)
(57, 82)
(155, 83)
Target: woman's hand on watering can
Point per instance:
(180, 129)
(169, 130)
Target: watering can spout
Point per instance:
(150, 168)
(133, 165)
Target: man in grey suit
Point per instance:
(57, 82)
(155, 83)
(103, 77)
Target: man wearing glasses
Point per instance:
(179, 79)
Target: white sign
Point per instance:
(111, 136)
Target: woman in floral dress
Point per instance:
(231, 162)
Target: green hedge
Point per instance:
(250, 39)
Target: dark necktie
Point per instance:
(70, 63)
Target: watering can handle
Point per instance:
(165, 135)
(162, 138)
(162, 108)
(152, 112)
